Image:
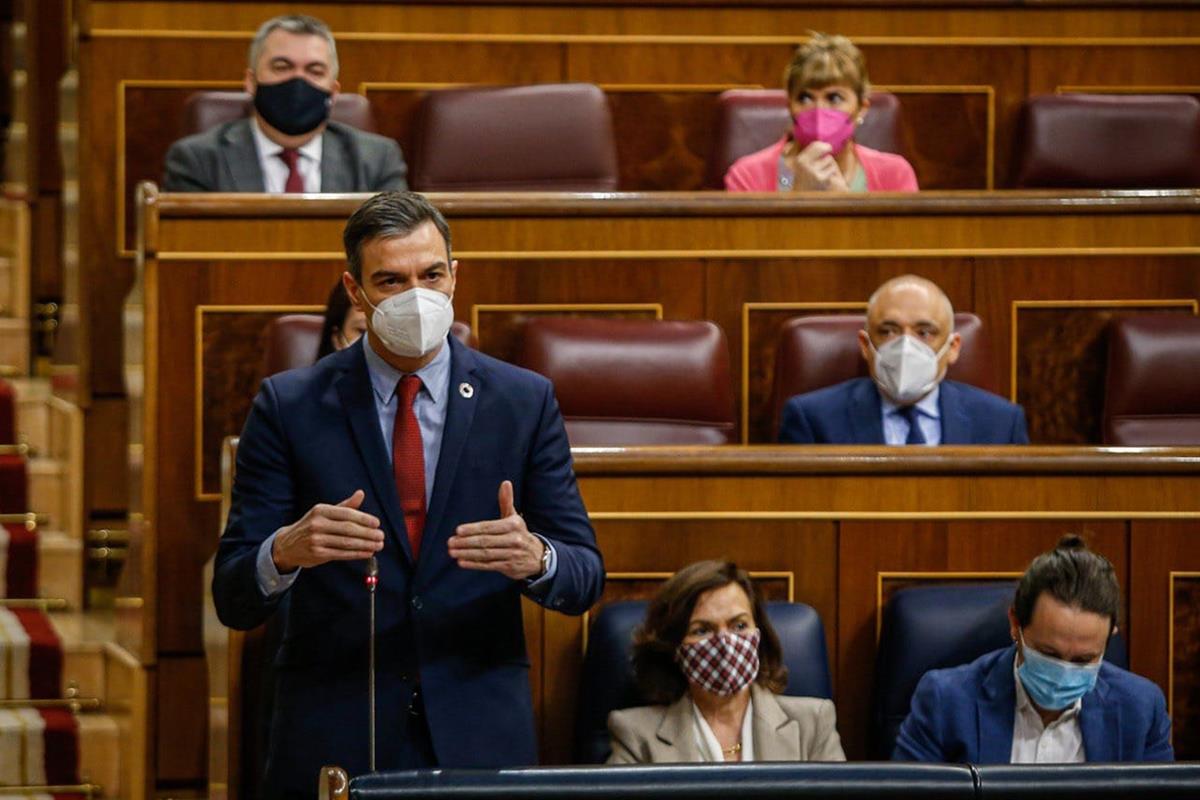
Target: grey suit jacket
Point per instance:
(785, 729)
(224, 159)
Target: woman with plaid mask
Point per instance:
(708, 656)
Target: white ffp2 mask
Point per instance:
(414, 322)
(906, 369)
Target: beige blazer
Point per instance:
(785, 729)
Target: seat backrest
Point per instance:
(628, 382)
(934, 627)
(606, 682)
(1152, 388)
(206, 110)
(293, 341)
(547, 137)
(1126, 141)
(822, 350)
(750, 119)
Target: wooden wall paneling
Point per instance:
(793, 556)
(868, 548)
(1165, 629)
(749, 300)
(1061, 368)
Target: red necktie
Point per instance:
(408, 461)
(295, 182)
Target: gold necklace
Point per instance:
(732, 751)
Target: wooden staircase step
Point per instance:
(60, 567)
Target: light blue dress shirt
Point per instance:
(929, 417)
(429, 406)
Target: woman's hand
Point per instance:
(815, 169)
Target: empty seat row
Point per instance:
(645, 382)
(559, 137)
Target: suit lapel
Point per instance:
(337, 173)
(996, 711)
(1100, 724)
(776, 736)
(358, 399)
(676, 731)
(460, 413)
(865, 410)
(241, 158)
(956, 427)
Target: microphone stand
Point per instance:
(372, 581)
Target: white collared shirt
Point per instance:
(929, 417)
(275, 170)
(706, 741)
(1060, 742)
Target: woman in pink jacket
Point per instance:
(828, 98)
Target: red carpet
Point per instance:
(30, 656)
(38, 747)
(18, 561)
(14, 485)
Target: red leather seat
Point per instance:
(1152, 389)
(294, 339)
(204, 110)
(633, 382)
(1124, 141)
(819, 351)
(750, 119)
(549, 137)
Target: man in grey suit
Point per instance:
(288, 143)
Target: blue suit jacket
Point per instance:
(851, 413)
(313, 437)
(965, 715)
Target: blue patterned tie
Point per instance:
(911, 415)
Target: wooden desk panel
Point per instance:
(217, 267)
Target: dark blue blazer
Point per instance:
(851, 413)
(965, 715)
(313, 436)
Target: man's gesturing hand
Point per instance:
(502, 545)
(328, 533)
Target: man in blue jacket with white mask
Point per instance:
(908, 343)
(1049, 698)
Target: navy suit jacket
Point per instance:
(965, 715)
(313, 436)
(851, 413)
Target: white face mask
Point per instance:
(414, 322)
(906, 369)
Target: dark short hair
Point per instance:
(386, 215)
(655, 642)
(337, 307)
(1073, 575)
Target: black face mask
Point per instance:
(292, 107)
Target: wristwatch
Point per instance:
(545, 558)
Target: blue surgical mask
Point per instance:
(1053, 683)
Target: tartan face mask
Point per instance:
(724, 663)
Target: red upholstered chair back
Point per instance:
(819, 351)
(206, 110)
(631, 382)
(1152, 390)
(1109, 142)
(548, 137)
(750, 119)
(294, 339)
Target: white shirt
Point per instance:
(929, 417)
(275, 170)
(1060, 742)
(706, 741)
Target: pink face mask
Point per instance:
(827, 125)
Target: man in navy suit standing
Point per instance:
(908, 344)
(1050, 698)
(453, 470)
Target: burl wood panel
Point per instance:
(501, 331)
(869, 548)
(1185, 662)
(1062, 356)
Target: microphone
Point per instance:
(372, 581)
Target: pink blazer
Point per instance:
(759, 172)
